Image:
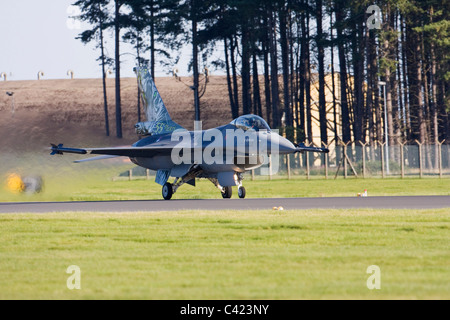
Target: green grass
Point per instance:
(87, 187)
(310, 254)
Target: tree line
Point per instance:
(383, 55)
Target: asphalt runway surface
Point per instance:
(413, 202)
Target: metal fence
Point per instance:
(348, 161)
(363, 161)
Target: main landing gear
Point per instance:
(167, 191)
(241, 192)
(227, 192)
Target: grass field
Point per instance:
(311, 254)
(87, 187)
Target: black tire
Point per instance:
(227, 193)
(167, 191)
(241, 192)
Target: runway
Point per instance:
(416, 202)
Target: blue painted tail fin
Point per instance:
(158, 118)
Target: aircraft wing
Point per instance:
(165, 148)
(131, 152)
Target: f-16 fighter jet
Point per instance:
(222, 154)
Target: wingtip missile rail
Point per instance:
(59, 150)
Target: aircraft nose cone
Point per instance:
(286, 146)
(281, 145)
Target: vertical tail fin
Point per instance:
(154, 107)
(158, 118)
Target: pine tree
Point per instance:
(95, 13)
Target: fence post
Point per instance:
(440, 157)
(288, 162)
(345, 158)
(253, 175)
(270, 167)
(420, 159)
(402, 159)
(382, 158)
(363, 159)
(147, 173)
(326, 160)
(307, 163)
(130, 174)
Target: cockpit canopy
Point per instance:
(251, 122)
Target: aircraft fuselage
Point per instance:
(222, 149)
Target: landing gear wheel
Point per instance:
(241, 192)
(227, 192)
(167, 191)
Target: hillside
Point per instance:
(71, 111)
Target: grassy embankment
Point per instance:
(310, 254)
(86, 187)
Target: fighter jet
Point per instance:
(221, 155)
